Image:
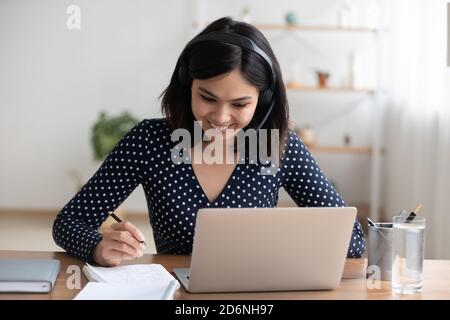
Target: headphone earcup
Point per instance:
(265, 98)
(265, 105)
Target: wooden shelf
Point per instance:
(320, 28)
(291, 87)
(340, 149)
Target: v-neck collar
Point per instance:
(223, 191)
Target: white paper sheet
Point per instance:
(137, 282)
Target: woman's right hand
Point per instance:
(120, 242)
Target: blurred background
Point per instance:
(367, 84)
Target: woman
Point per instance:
(227, 81)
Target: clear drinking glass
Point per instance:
(408, 255)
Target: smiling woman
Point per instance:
(223, 102)
(228, 79)
(227, 72)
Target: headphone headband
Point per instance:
(237, 40)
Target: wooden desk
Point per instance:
(353, 285)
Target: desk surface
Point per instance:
(353, 285)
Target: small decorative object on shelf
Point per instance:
(347, 140)
(322, 78)
(307, 134)
(245, 14)
(291, 18)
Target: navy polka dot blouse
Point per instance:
(174, 195)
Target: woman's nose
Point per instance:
(222, 114)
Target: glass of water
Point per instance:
(408, 254)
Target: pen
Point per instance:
(111, 214)
(412, 215)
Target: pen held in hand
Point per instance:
(112, 215)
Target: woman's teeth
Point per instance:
(220, 128)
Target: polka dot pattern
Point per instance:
(174, 195)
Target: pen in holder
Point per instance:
(380, 249)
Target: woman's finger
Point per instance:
(125, 248)
(117, 256)
(131, 228)
(125, 236)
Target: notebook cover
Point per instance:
(25, 271)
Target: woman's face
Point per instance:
(226, 101)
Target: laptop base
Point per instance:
(183, 275)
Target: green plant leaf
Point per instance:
(107, 132)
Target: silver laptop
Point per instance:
(268, 249)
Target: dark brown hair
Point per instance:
(208, 59)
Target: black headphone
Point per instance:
(266, 97)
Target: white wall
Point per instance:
(55, 81)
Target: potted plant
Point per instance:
(108, 130)
(322, 78)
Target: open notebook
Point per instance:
(132, 282)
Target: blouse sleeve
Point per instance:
(75, 228)
(307, 185)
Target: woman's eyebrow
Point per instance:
(214, 96)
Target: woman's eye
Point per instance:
(207, 99)
(240, 105)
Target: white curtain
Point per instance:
(417, 122)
